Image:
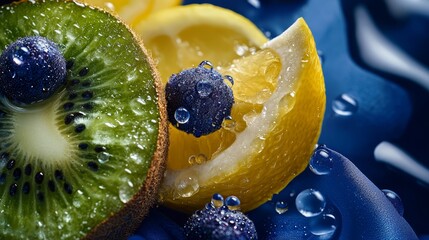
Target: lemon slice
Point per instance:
(275, 121)
(133, 11)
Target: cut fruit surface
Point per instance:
(88, 161)
(133, 11)
(277, 116)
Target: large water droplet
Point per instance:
(321, 163)
(323, 225)
(217, 200)
(182, 115)
(344, 105)
(310, 203)
(204, 88)
(186, 187)
(281, 207)
(233, 203)
(395, 200)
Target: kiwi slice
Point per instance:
(87, 162)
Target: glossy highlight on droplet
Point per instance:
(281, 207)
(323, 226)
(217, 200)
(182, 115)
(233, 203)
(321, 163)
(344, 105)
(310, 202)
(395, 200)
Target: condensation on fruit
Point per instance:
(186, 187)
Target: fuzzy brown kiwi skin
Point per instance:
(124, 223)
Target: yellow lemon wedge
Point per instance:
(276, 118)
(133, 11)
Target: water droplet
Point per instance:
(206, 64)
(344, 105)
(229, 81)
(281, 207)
(103, 157)
(323, 225)
(204, 88)
(233, 203)
(321, 163)
(186, 187)
(321, 56)
(217, 200)
(229, 123)
(310, 203)
(197, 159)
(182, 115)
(125, 193)
(395, 200)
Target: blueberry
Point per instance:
(31, 70)
(214, 223)
(198, 100)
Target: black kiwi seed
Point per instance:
(28, 169)
(39, 177)
(87, 95)
(13, 189)
(99, 149)
(68, 188)
(26, 188)
(10, 164)
(68, 106)
(93, 166)
(80, 128)
(17, 174)
(83, 146)
(84, 71)
(59, 175)
(69, 118)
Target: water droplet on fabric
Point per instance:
(395, 200)
(321, 163)
(281, 207)
(344, 105)
(323, 225)
(310, 202)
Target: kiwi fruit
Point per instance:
(86, 162)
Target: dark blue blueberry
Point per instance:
(219, 223)
(198, 100)
(31, 70)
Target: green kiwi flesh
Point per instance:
(86, 162)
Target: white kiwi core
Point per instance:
(37, 136)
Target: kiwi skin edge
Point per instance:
(124, 222)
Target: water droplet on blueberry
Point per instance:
(233, 203)
(181, 115)
(31, 70)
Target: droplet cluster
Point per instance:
(220, 219)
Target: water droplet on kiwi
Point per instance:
(137, 106)
(125, 193)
